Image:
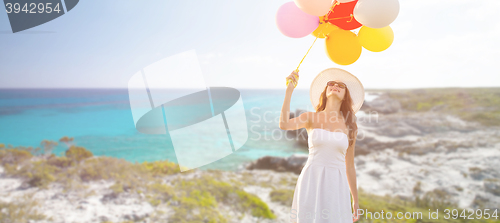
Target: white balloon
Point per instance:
(314, 7)
(376, 13)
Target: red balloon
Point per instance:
(344, 10)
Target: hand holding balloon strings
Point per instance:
(293, 77)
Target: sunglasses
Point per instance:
(341, 85)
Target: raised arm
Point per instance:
(295, 123)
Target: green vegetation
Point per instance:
(12, 156)
(203, 194)
(78, 153)
(22, 209)
(433, 200)
(205, 197)
(480, 105)
(283, 196)
(192, 200)
(160, 168)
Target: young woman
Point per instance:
(323, 186)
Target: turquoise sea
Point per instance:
(101, 121)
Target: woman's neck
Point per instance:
(332, 106)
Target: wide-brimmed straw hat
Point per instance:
(355, 87)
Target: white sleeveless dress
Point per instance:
(322, 192)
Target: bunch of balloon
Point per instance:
(336, 20)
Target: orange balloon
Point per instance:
(340, 12)
(343, 47)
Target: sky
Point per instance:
(101, 44)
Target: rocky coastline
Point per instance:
(412, 156)
(431, 152)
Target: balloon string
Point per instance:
(325, 18)
(345, 17)
(297, 70)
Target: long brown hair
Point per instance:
(345, 110)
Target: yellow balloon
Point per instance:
(343, 47)
(376, 40)
(323, 29)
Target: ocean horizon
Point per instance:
(100, 120)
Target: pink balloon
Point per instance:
(295, 23)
